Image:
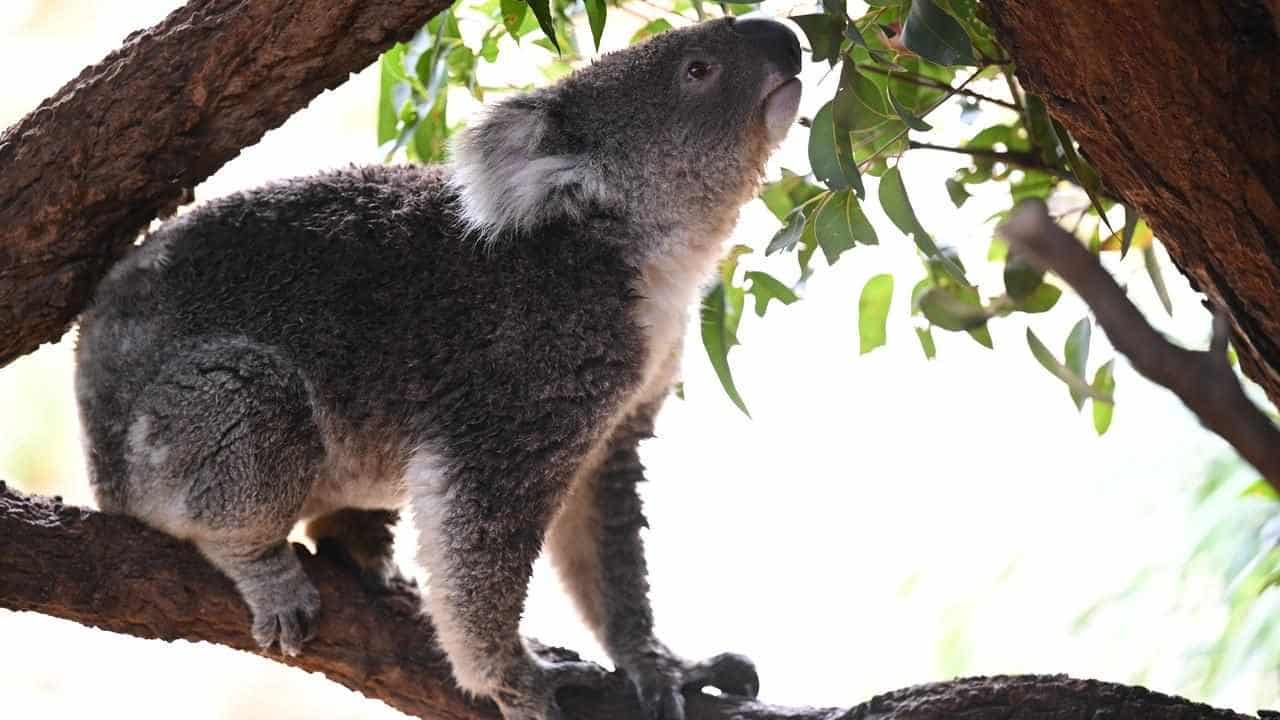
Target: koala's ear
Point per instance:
(508, 182)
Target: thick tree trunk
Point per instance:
(126, 140)
(1177, 103)
(113, 573)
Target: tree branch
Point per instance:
(111, 572)
(125, 141)
(1024, 160)
(1203, 380)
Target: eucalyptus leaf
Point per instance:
(840, 224)
(513, 13)
(1076, 354)
(896, 204)
(765, 287)
(1157, 277)
(825, 34)
(542, 11)
(949, 312)
(720, 312)
(788, 236)
(1104, 384)
(596, 13)
(830, 154)
(934, 35)
(925, 336)
(873, 312)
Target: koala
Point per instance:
(484, 343)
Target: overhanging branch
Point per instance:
(1203, 380)
(113, 573)
(86, 171)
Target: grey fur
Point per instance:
(331, 348)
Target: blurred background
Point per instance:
(881, 520)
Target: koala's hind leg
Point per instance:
(223, 449)
(364, 539)
(480, 533)
(595, 545)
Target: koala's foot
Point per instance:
(660, 679)
(529, 692)
(281, 598)
(362, 540)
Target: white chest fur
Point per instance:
(669, 284)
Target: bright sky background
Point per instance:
(882, 521)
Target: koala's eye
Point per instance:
(698, 70)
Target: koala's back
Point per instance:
(400, 327)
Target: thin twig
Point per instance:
(921, 81)
(1026, 161)
(1203, 380)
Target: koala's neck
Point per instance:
(671, 276)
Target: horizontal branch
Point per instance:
(129, 138)
(1203, 380)
(1023, 160)
(113, 573)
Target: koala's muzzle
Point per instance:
(778, 42)
(781, 91)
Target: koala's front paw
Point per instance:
(660, 680)
(530, 692)
(285, 613)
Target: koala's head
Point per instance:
(672, 133)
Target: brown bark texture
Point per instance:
(1177, 104)
(87, 170)
(111, 572)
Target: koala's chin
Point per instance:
(485, 343)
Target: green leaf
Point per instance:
(873, 312)
(894, 201)
(1104, 384)
(1077, 354)
(1058, 370)
(840, 224)
(721, 310)
(513, 12)
(925, 336)
(830, 154)
(1040, 130)
(936, 36)
(949, 312)
(1083, 172)
(914, 122)
(788, 236)
(392, 93)
(787, 194)
(653, 27)
(1042, 299)
(596, 11)
(1021, 278)
(1130, 225)
(766, 287)
(542, 11)
(1157, 278)
(958, 192)
(824, 33)
(982, 335)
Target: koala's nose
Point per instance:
(775, 39)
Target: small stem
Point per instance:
(922, 81)
(1026, 161)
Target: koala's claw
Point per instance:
(291, 624)
(552, 669)
(730, 673)
(660, 687)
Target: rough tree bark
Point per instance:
(111, 572)
(1177, 103)
(86, 171)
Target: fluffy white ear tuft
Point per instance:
(507, 183)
